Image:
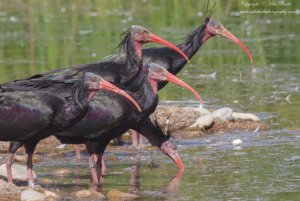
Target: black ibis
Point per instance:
(114, 72)
(26, 117)
(111, 71)
(109, 117)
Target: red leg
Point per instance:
(93, 168)
(135, 140)
(77, 150)
(103, 170)
(13, 147)
(99, 168)
(29, 170)
(8, 167)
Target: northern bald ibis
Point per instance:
(109, 117)
(26, 117)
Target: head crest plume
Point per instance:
(194, 38)
(209, 11)
(128, 48)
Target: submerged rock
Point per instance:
(19, 172)
(223, 114)
(114, 195)
(62, 172)
(31, 195)
(84, 194)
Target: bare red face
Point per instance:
(214, 28)
(142, 35)
(160, 74)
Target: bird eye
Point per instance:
(145, 32)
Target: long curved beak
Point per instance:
(110, 87)
(172, 78)
(230, 36)
(159, 40)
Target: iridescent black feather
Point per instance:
(129, 49)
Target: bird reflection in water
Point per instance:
(168, 191)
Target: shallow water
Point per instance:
(38, 36)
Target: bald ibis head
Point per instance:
(96, 82)
(214, 27)
(142, 35)
(160, 74)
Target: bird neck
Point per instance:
(80, 95)
(134, 65)
(191, 45)
(147, 93)
(153, 132)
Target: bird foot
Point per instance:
(31, 184)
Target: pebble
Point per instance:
(119, 195)
(245, 116)
(19, 172)
(237, 141)
(31, 195)
(223, 114)
(203, 121)
(62, 172)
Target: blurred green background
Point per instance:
(37, 36)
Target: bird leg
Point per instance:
(29, 170)
(93, 168)
(170, 150)
(30, 150)
(77, 151)
(134, 177)
(103, 169)
(13, 147)
(8, 167)
(137, 140)
(99, 168)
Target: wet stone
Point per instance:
(223, 114)
(62, 172)
(245, 116)
(19, 172)
(50, 195)
(203, 122)
(31, 195)
(9, 191)
(114, 195)
(83, 194)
